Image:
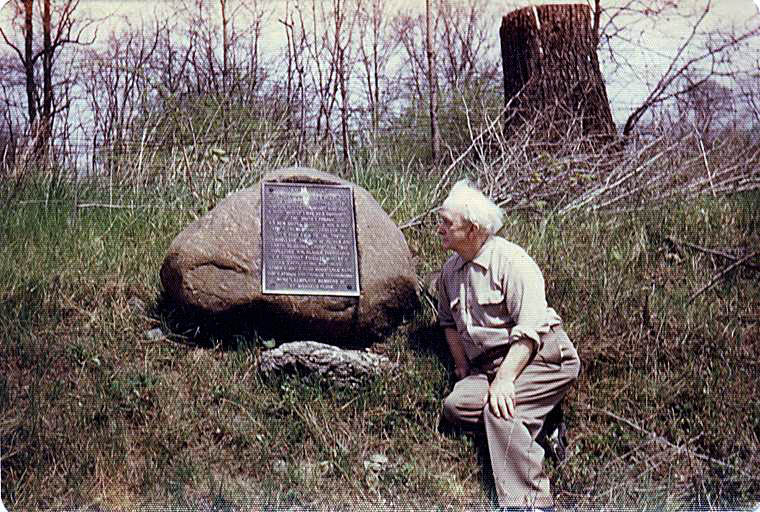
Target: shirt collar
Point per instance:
(481, 259)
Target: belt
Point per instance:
(489, 355)
(500, 351)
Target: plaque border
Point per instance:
(289, 291)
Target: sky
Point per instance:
(627, 86)
(624, 89)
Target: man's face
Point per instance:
(455, 232)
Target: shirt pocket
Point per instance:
(492, 311)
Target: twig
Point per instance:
(661, 440)
(710, 251)
(38, 201)
(720, 275)
(104, 205)
(425, 293)
(704, 158)
(416, 220)
(473, 144)
(445, 175)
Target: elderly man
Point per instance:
(513, 361)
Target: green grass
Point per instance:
(92, 412)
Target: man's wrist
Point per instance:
(519, 354)
(505, 376)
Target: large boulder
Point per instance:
(214, 265)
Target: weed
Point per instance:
(92, 411)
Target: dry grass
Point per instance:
(94, 413)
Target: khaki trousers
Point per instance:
(516, 458)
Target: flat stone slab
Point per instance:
(341, 365)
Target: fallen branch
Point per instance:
(711, 251)
(664, 442)
(720, 275)
(114, 206)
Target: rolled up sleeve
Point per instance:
(525, 300)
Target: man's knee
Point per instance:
(450, 408)
(459, 408)
(502, 422)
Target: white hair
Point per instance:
(469, 202)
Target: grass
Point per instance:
(94, 413)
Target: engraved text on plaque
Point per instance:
(308, 239)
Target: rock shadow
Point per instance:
(242, 326)
(427, 338)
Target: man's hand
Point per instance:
(501, 392)
(461, 363)
(501, 397)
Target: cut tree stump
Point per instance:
(552, 76)
(342, 365)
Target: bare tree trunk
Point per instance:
(343, 106)
(47, 63)
(47, 80)
(289, 38)
(31, 90)
(295, 73)
(225, 100)
(225, 45)
(68, 31)
(434, 134)
(552, 76)
(343, 69)
(597, 19)
(376, 99)
(211, 70)
(373, 33)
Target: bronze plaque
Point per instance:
(308, 239)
